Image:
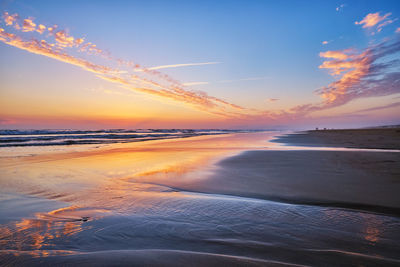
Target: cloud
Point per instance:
(375, 19)
(371, 72)
(10, 19)
(64, 39)
(341, 55)
(194, 83)
(398, 30)
(44, 48)
(325, 42)
(41, 28)
(28, 25)
(245, 79)
(372, 19)
(181, 65)
(340, 7)
(392, 105)
(272, 99)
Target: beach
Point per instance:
(243, 199)
(373, 138)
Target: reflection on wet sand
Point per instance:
(39, 232)
(373, 227)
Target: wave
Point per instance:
(12, 138)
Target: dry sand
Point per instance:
(378, 138)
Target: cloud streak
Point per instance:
(182, 65)
(194, 83)
(245, 79)
(392, 105)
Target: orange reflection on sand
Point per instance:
(74, 176)
(37, 233)
(372, 227)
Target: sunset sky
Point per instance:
(199, 64)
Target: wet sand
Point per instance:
(351, 179)
(234, 199)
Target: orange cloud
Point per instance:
(363, 74)
(342, 55)
(52, 29)
(354, 69)
(28, 25)
(41, 28)
(46, 49)
(375, 19)
(64, 39)
(372, 19)
(10, 19)
(78, 41)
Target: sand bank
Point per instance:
(367, 180)
(377, 138)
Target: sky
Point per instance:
(199, 64)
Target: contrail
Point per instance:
(182, 65)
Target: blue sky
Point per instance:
(266, 49)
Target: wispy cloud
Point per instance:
(245, 79)
(340, 7)
(272, 99)
(375, 20)
(392, 105)
(325, 42)
(180, 65)
(194, 83)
